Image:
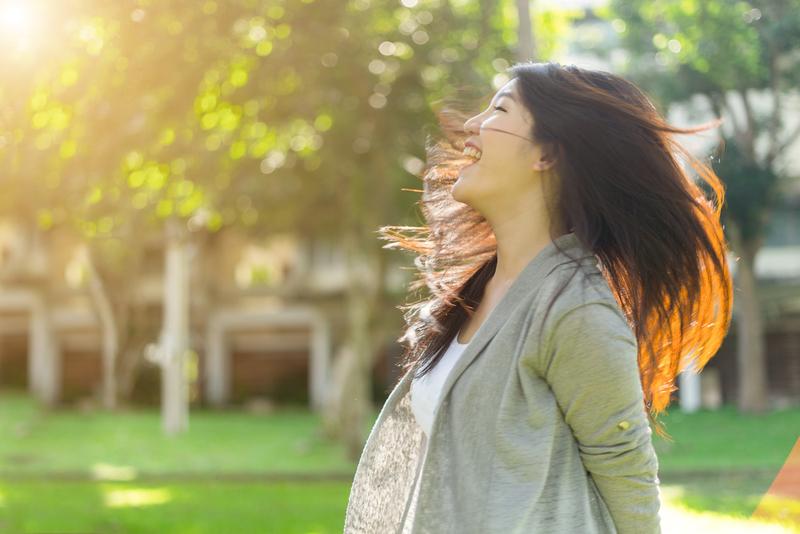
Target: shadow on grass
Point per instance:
(735, 494)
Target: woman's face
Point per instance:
(509, 160)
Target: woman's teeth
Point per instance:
(472, 152)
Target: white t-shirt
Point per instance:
(425, 391)
(425, 397)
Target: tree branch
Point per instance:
(775, 117)
(791, 138)
(748, 133)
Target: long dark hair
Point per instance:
(624, 192)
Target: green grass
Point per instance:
(729, 493)
(714, 473)
(82, 507)
(286, 441)
(726, 440)
(722, 461)
(197, 508)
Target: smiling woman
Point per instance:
(575, 268)
(564, 149)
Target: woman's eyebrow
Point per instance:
(509, 94)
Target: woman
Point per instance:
(575, 268)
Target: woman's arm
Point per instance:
(590, 363)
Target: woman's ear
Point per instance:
(547, 159)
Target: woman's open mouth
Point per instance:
(472, 153)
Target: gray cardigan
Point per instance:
(527, 439)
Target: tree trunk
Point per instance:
(44, 355)
(526, 48)
(108, 330)
(751, 350)
(141, 329)
(175, 337)
(350, 395)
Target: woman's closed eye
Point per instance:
(498, 107)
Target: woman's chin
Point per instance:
(460, 188)
(465, 173)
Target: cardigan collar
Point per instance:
(397, 446)
(528, 280)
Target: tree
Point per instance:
(735, 56)
(152, 112)
(526, 50)
(304, 116)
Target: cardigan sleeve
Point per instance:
(590, 364)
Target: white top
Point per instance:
(425, 391)
(425, 396)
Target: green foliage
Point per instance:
(706, 46)
(306, 117)
(550, 28)
(726, 52)
(718, 42)
(749, 187)
(152, 109)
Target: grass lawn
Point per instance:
(725, 439)
(286, 441)
(197, 507)
(723, 462)
(134, 479)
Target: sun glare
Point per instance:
(17, 24)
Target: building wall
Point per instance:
(783, 366)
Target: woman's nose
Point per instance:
(471, 125)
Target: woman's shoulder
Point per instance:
(572, 284)
(574, 304)
(582, 293)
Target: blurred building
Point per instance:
(778, 271)
(265, 318)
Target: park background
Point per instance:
(199, 323)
